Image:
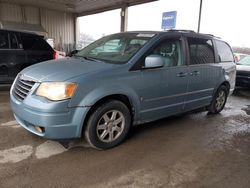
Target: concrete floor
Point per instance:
(194, 150)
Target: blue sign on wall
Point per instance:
(169, 20)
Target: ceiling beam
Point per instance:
(113, 7)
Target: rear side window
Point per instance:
(4, 42)
(201, 51)
(224, 51)
(13, 41)
(34, 43)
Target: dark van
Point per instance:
(19, 50)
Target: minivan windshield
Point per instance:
(117, 48)
(244, 61)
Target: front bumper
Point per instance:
(57, 122)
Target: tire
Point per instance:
(219, 100)
(108, 125)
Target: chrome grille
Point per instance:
(22, 87)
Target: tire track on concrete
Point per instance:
(12, 124)
(19, 153)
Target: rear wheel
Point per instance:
(219, 100)
(108, 125)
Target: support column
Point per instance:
(77, 32)
(124, 18)
(199, 21)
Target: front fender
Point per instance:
(104, 91)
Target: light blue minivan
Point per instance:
(122, 80)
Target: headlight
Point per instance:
(56, 90)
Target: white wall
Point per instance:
(58, 25)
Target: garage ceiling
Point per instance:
(80, 7)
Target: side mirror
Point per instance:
(154, 61)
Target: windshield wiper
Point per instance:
(91, 59)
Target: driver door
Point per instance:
(164, 89)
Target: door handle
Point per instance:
(182, 74)
(195, 73)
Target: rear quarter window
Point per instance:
(224, 51)
(35, 43)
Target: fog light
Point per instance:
(39, 129)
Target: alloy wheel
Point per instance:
(110, 126)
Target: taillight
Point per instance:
(54, 55)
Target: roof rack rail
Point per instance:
(211, 35)
(208, 34)
(182, 30)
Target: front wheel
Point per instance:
(219, 100)
(108, 125)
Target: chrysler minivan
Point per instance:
(122, 80)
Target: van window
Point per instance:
(27, 41)
(13, 41)
(109, 46)
(201, 51)
(224, 51)
(41, 45)
(4, 42)
(136, 41)
(170, 50)
(116, 49)
(31, 42)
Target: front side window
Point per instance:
(201, 51)
(4, 42)
(224, 51)
(117, 49)
(170, 50)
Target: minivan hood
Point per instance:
(63, 69)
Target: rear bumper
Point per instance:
(65, 124)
